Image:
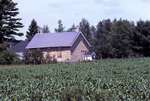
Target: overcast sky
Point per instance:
(48, 12)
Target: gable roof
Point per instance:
(52, 40)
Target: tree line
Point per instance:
(115, 38)
(122, 39)
(118, 38)
(109, 38)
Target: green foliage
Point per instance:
(33, 29)
(142, 38)
(105, 80)
(9, 28)
(121, 40)
(45, 29)
(93, 32)
(72, 29)
(84, 27)
(34, 57)
(9, 23)
(48, 59)
(7, 58)
(102, 40)
(116, 39)
(60, 27)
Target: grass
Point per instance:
(104, 80)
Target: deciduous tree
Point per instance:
(84, 27)
(60, 27)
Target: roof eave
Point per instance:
(86, 40)
(47, 47)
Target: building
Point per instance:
(18, 48)
(63, 47)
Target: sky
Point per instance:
(48, 12)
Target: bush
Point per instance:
(7, 58)
(33, 57)
(48, 59)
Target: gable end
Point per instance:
(78, 40)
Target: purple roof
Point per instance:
(64, 39)
(19, 47)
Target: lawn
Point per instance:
(104, 80)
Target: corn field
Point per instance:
(104, 80)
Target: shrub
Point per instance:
(48, 59)
(7, 58)
(34, 57)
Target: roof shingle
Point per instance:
(64, 39)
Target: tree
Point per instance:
(45, 29)
(60, 27)
(93, 31)
(122, 34)
(142, 38)
(72, 29)
(102, 44)
(8, 58)
(115, 39)
(33, 29)
(9, 22)
(85, 29)
(9, 28)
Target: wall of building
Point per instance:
(79, 51)
(59, 54)
(68, 54)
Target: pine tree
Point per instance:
(45, 29)
(9, 22)
(33, 29)
(72, 29)
(9, 28)
(60, 27)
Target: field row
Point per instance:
(104, 80)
